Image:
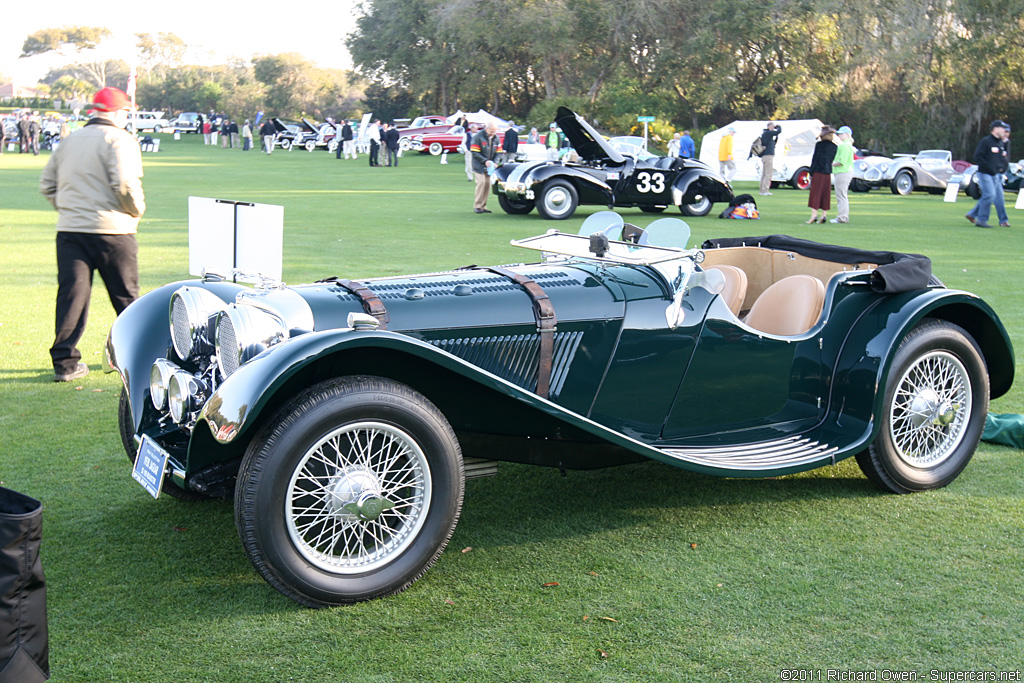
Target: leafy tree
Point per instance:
(80, 41)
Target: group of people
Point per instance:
(682, 146)
(32, 132)
(831, 159)
(231, 136)
(384, 140)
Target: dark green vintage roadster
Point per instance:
(344, 417)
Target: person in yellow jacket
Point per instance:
(94, 181)
(726, 161)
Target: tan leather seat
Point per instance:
(735, 287)
(790, 306)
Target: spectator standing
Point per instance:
(992, 157)
(687, 150)
(3, 134)
(553, 142)
(385, 150)
(391, 141)
(34, 129)
(511, 142)
(673, 145)
(820, 199)
(246, 136)
(24, 125)
(470, 132)
(348, 140)
(769, 137)
(225, 133)
(269, 133)
(726, 161)
(233, 130)
(94, 180)
(199, 126)
(485, 148)
(842, 170)
(533, 138)
(373, 133)
(207, 131)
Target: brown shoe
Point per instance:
(970, 218)
(1004, 224)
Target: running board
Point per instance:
(768, 455)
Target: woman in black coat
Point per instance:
(820, 198)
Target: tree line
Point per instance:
(904, 74)
(283, 84)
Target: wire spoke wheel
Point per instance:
(933, 414)
(350, 492)
(928, 416)
(358, 498)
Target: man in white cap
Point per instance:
(94, 181)
(842, 174)
(726, 161)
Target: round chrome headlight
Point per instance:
(244, 332)
(190, 311)
(159, 378)
(885, 167)
(182, 392)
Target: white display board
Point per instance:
(952, 188)
(225, 235)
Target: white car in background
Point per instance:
(153, 121)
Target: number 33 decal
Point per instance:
(650, 182)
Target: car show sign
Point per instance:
(953, 188)
(226, 236)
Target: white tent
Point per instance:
(793, 150)
(480, 117)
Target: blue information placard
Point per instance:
(149, 466)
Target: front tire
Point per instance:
(436, 148)
(903, 183)
(285, 144)
(513, 207)
(934, 408)
(351, 492)
(701, 207)
(558, 200)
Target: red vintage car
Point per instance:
(437, 142)
(420, 126)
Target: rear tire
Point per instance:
(701, 207)
(351, 491)
(934, 408)
(801, 180)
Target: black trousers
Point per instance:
(374, 148)
(79, 255)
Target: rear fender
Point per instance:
(862, 370)
(693, 182)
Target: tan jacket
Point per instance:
(94, 180)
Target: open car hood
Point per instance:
(587, 142)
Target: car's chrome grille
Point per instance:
(228, 344)
(180, 327)
(514, 357)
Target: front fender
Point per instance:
(862, 370)
(142, 333)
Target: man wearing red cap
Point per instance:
(94, 181)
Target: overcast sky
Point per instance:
(213, 31)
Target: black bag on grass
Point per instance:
(24, 641)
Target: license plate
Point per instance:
(150, 465)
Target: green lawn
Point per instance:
(663, 575)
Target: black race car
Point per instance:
(607, 177)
